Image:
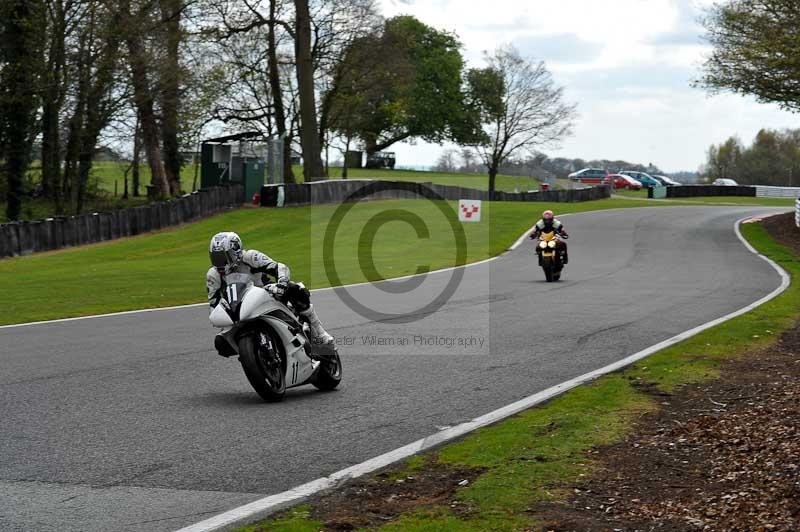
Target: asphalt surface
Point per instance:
(134, 423)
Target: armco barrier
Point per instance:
(338, 191)
(763, 191)
(22, 238)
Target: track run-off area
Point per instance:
(133, 422)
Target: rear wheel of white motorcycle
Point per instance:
(261, 356)
(330, 373)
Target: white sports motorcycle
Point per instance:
(273, 346)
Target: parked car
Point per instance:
(668, 181)
(643, 178)
(725, 182)
(589, 175)
(661, 181)
(622, 181)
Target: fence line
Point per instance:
(23, 238)
(338, 191)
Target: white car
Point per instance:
(668, 180)
(725, 182)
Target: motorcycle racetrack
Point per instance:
(133, 422)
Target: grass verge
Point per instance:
(537, 455)
(168, 268)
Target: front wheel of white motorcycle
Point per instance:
(261, 356)
(330, 374)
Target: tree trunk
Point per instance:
(71, 181)
(492, 178)
(344, 164)
(137, 156)
(152, 152)
(145, 104)
(170, 95)
(309, 132)
(52, 102)
(125, 183)
(196, 162)
(84, 168)
(277, 94)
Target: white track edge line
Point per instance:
(261, 508)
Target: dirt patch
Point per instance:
(377, 499)
(381, 498)
(723, 455)
(783, 229)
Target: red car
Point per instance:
(622, 181)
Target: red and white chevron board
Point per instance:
(469, 210)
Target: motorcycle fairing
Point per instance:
(257, 304)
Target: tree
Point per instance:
(469, 160)
(408, 80)
(20, 56)
(773, 158)
(724, 161)
(446, 161)
(519, 106)
(755, 50)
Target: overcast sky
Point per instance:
(628, 64)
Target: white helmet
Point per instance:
(225, 251)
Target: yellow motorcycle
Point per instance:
(550, 251)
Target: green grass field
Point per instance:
(541, 453)
(168, 268)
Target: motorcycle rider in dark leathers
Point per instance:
(549, 223)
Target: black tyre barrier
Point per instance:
(23, 238)
(693, 191)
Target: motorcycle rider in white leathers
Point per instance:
(229, 257)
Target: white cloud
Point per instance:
(627, 63)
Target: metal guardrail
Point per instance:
(764, 191)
